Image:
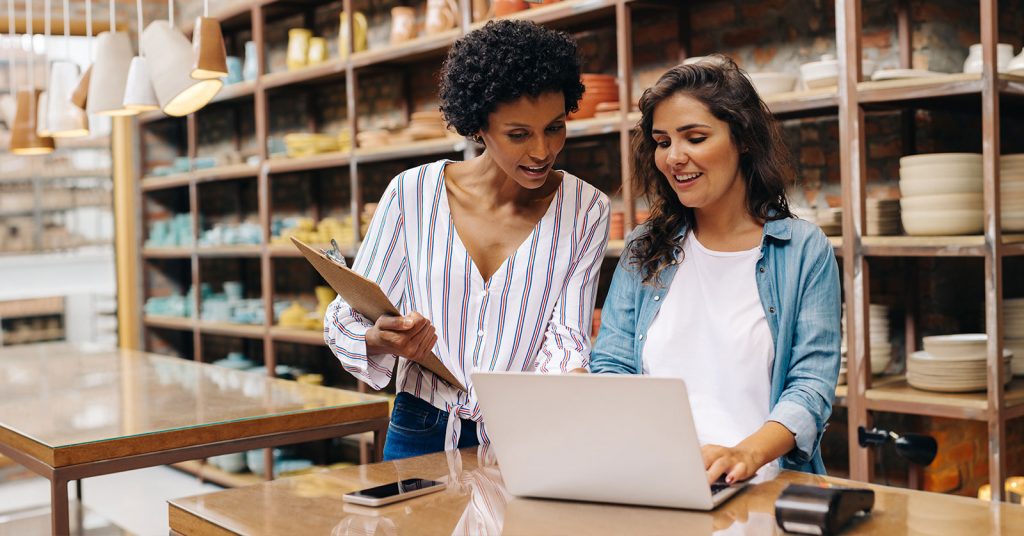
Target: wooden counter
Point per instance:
(476, 503)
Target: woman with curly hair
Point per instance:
(723, 287)
(493, 261)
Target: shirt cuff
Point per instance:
(799, 421)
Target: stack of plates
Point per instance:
(426, 125)
(941, 194)
(1011, 192)
(1013, 332)
(879, 345)
(952, 363)
(307, 143)
(883, 217)
(373, 138)
(831, 221)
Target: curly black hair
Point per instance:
(505, 60)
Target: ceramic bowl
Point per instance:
(931, 171)
(942, 202)
(825, 73)
(973, 63)
(940, 185)
(955, 344)
(940, 158)
(942, 222)
(768, 84)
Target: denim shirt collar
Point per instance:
(781, 229)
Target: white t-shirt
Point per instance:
(711, 331)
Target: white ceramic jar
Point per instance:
(973, 63)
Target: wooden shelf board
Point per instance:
(411, 150)
(29, 307)
(564, 13)
(219, 173)
(249, 250)
(217, 476)
(238, 90)
(167, 253)
(313, 337)
(308, 163)
(249, 331)
(55, 174)
(151, 183)
(889, 91)
(900, 397)
(328, 70)
(290, 251)
(804, 103)
(169, 322)
(931, 246)
(593, 126)
(410, 50)
(842, 391)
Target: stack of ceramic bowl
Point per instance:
(369, 139)
(307, 143)
(1013, 332)
(883, 217)
(941, 194)
(953, 364)
(599, 88)
(830, 220)
(1011, 192)
(426, 126)
(825, 73)
(879, 345)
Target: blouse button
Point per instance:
(481, 333)
(771, 310)
(657, 298)
(761, 269)
(641, 337)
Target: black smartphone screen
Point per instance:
(396, 488)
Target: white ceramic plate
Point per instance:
(943, 345)
(942, 169)
(940, 185)
(901, 74)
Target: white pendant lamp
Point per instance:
(208, 47)
(41, 127)
(138, 93)
(64, 119)
(80, 96)
(24, 138)
(170, 59)
(110, 72)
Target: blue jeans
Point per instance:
(418, 428)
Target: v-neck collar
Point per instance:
(530, 238)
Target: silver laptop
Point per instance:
(593, 437)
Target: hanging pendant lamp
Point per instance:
(24, 139)
(138, 93)
(110, 72)
(63, 117)
(42, 128)
(170, 59)
(208, 47)
(80, 95)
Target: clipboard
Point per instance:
(367, 298)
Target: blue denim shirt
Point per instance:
(798, 282)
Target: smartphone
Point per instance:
(394, 492)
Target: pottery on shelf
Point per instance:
(298, 47)
(251, 67)
(442, 15)
(974, 61)
(403, 24)
(317, 52)
(359, 39)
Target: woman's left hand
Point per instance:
(735, 463)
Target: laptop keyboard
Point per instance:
(719, 485)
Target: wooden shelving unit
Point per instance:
(984, 93)
(849, 102)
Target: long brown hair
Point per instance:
(765, 162)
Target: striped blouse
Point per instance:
(534, 313)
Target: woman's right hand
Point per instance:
(411, 336)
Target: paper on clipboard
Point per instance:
(367, 298)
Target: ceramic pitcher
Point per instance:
(441, 16)
(359, 21)
(403, 24)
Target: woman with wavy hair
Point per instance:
(493, 261)
(722, 286)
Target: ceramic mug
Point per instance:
(403, 24)
(317, 52)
